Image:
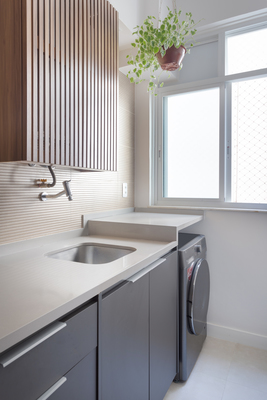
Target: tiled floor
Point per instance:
(224, 371)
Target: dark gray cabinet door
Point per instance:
(81, 381)
(163, 326)
(35, 372)
(124, 342)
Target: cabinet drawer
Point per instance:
(30, 375)
(81, 381)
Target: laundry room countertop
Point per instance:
(36, 290)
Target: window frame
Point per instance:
(224, 82)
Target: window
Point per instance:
(211, 147)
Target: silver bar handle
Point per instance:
(53, 388)
(146, 270)
(30, 343)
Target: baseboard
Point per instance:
(236, 336)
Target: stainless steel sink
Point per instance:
(91, 253)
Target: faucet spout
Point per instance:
(67, 191)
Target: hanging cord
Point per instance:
(160, 8)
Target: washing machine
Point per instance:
(194, 289)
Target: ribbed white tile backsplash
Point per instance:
(24, 216)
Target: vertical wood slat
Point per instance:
(99, 127)
(34, 81)
(27, 74)
(57, 80)
(105, 85)
(72, 82)
(102, 106)
(41, 79)
(67, 84)
(84, 136)
(92, 75)
(95, 132)
(80, 63)
(116, 86)
(88, 111)
(108, 88)
(47, 81)
(76, 103)
(62, 82)
(52, 81)
(111, 91)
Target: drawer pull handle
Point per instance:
(30, 343)
(146, 270)
(53, 388)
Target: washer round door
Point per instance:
(198, 297)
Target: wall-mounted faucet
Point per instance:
(44, 196)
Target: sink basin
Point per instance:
(91, 253)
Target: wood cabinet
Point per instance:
(59, 360)
(138, 335)
(59, 82)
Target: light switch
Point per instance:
(124, 190)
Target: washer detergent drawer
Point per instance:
(29, 369)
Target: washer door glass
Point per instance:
(198, 297)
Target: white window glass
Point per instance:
(191, 145)
(249, 141)
(246, 52)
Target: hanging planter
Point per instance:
(173, 58)
(163, 46)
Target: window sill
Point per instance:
(198, 210)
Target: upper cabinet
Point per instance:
(59, 82)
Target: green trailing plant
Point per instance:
(151, 39)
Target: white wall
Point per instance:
(236, 240)
(133, 12)
(238, 269)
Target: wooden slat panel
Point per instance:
(111, 91)
(116, 86)
(41, 80)
(76, 65)
(52, 82)
(71, 82)
(62, 83)
(57, 80)
(106, 85)
(95, 132)
(67, 83)
(88, 154)
(102, 106)
(47, 81)
(34, 81)
(27, 74)
(84, 146)
(92, 92)
(99, 84)
(80, 81)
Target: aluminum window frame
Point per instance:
(224, 82)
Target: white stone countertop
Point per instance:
(36, 290)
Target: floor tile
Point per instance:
(249, 368)
(215, 358)
(198, 387)
(224, 371)
(236, 392)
